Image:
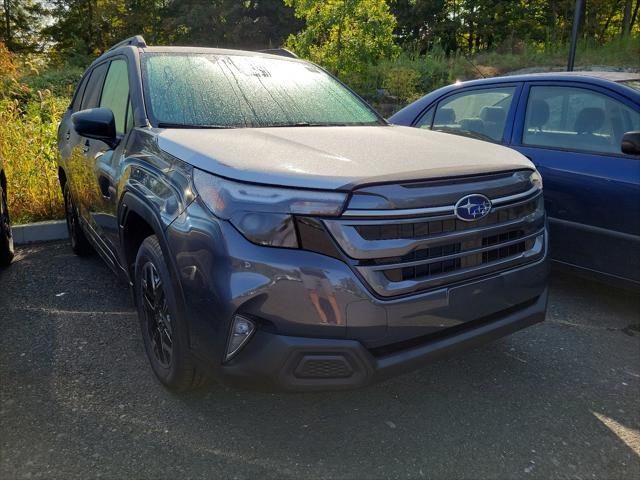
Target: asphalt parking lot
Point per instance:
(78, 399)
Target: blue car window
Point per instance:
(481, 112)
(576, 119)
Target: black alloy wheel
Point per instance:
(157, 316)
(164, 330)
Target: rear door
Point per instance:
(572, 131)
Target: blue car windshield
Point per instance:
(227, 91)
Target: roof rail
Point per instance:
(137, 41)
(283, 52)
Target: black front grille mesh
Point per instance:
(429, 269)
(321, 368)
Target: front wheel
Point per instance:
(163, 331)
(6, 238)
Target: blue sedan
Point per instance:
(581, 129)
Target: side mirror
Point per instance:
(631, 143)
(96, 123)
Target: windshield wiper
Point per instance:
(186, 125)
(466, 133)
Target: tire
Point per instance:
(6, 238)
(79, 242)
(163, 331)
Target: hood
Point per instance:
(336, 158)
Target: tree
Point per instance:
(88, 27)
(252, 24)
(626, 20)
(344, 36)
(21, 24)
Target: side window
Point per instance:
(576, 119)
(115, 94)
(480, 111)
(92, 92)
(77, 99)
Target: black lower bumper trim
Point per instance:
(279, 362)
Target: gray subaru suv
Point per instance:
(278, 233)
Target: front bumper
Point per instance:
(309, 305)
(272, 361)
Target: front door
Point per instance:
(105, 162)
(572, 132)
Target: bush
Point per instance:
(29, 148)
(401, 83)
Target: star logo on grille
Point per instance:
(472, 207)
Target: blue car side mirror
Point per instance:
(631, 143)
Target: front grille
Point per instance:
(438, 267)
(399, 255)
(421, 229)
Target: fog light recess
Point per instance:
(241, 330)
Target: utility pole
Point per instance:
(626, 19)
(577, 18)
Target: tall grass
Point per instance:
(28, 147)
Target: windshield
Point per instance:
(635, 84)
(214, 90)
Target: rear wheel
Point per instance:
(79, 243)
(6, 239)
(163, 331)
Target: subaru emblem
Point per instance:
(472, 207)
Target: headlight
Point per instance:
(536, 179)
(264, 214)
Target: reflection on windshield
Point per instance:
(217, 91)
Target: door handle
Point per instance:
(86, 146)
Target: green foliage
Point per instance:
(420, 74)
(401, 82)
(345, 36)
(390, 52)
(472, 26)
(21, 24)
(28, 146)
(28, 125)
(61, 81)
(85, 28)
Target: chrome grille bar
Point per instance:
(359, 248)
(404, 251)
(387, 288)
(420, 212)
(464, 253)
